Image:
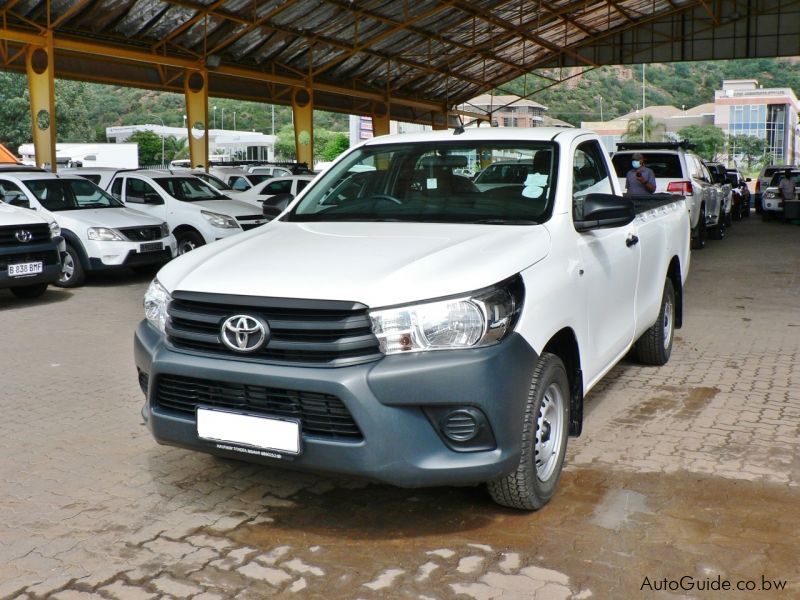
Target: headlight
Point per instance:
(218, 220)
(103, 234)
(55, 230)
(769, 194)
(156, 301)
(471, 321)
(164, 230)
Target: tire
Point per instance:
(699, 233)
(74, 273)
(545, 430)
(654, 347)
(188, 241)
(718, 231)
(29, 291)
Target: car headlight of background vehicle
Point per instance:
(103, 234)
(218, 220)
(156, 301)
(55, 229)
(769, 194)
(474, 320)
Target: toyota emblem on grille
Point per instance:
(243, 333)
(23, 235)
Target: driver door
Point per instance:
(139, 195)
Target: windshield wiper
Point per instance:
(502, 222)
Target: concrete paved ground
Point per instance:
(688, 471)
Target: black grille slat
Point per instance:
(40, 232)
(299, 335)
(321, 415)
(250, 218)
(142, 234)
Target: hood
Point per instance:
(232, 208)
(114, 218)
(14, 215)
(378, 264)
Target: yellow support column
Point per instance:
(41, 85)
(303, 111)
(195, 89)
(380, 119)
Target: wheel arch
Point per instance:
(674, 274)
(73, 240)
(564, 344)
(183, 228)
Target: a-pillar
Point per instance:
(195, 89)
(380, 119)
(41, 85)
(303, 113)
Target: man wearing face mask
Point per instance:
(639, 180)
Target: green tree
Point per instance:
(284, 145)
(149, 147)
(708, 139)
(337, 144)
(653, 130)
(749, 148)
(15, 111)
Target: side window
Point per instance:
(589, 175)
(301, 184)
(10, 189)
(278, 187)
(136, 190)
(239, 184)
(116, 188)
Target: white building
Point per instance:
(227, 144)
(121, 156)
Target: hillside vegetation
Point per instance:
(84, 110)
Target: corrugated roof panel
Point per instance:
(142, 14)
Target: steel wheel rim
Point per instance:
(667, 323)
(68, 269)
(186, 246)
(550, 432)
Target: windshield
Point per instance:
(189, 189)
(776, 179)
(70, 194)
(423, 182)
(214, 182)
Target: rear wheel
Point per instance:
(654, 347)
(29, 291)
(544, 440)
(699, 232)
(73, 274)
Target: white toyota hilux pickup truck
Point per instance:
(399, 322)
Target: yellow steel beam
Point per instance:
(303, 111)
(41, 86)
(195, 89)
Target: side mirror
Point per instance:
(18, 200)
(270, 212)
(748, 180)
(278, 201)
(601, 211)
(153, 198)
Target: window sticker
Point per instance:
(534, 185)
(432, 183)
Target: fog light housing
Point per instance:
(462, 428)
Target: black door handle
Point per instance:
(631, 241)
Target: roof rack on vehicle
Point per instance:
(684, 144)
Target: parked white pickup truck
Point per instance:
(398, 323)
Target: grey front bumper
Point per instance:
(388, 400)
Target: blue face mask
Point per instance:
(636, 164)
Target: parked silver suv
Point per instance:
(678, 170)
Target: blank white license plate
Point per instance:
(258, 432)
(20, 269)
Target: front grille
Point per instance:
(250, 218)
(142, 234)
(39, 232)
(322, 333)
(320, 415)
(49, 257)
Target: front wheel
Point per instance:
(544, 440)
(188, 241)
(73, 274)
(654, 347)
(29, 291)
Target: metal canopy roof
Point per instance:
(419, 57)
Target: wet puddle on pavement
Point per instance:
(604, 532)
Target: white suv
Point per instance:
(677, 171)
(196, 213)
(100, 233)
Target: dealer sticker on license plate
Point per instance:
(151, 247)
(282, 435)
(22, 269)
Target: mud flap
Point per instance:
(576, 405)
